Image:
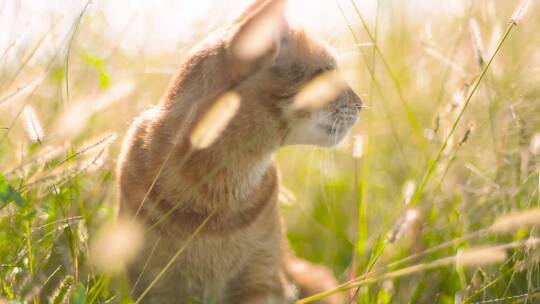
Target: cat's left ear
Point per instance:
(256, 37)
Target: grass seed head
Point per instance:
(520, 11)
(480, 256)
(517, 220)
(408, 191)
(358, 147)
(494, 40)
(216, 119)
(320, 91)
(62, 292)
(116, 245)
(286, 196)
(478, 45)
(405, 225)
(32, 125)
(535, 144)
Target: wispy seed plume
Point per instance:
(62, 292)
(216, 119)
(495, 38)
(520, 11)
(480, 256)
(467, 134)
(535, 144)
(517, 220)
(32, 125)
(116, 245)
(404, 225)
(286, 196)
(477, 40)
(320, 91)
(358, 147)
(408, 191)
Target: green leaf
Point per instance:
(8, 194)
(79, 295)
(99, 64)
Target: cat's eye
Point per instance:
(284, 94)
(322, 70)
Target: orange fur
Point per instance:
(237, 257)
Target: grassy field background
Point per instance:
(439, 204)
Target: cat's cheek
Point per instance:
(306, 132)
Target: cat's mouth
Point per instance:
(337, 128)
(335, 131)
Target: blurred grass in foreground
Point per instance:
(356, 215)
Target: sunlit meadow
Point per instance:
(433, 198)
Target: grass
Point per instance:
(447, 138)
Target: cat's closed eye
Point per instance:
(293, 78)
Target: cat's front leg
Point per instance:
(261, 282)
(259, 295)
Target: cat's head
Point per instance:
(293, 76)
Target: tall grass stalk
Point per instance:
(70, 43)
(50, 193)
(362, 190)
(446, 261)
(176, 255)
(380, 91)
(410, 114)
(453, 52)
(432, 165)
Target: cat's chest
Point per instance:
(216, 258)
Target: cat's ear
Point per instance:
(256, 37)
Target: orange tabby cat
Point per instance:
(213, 211)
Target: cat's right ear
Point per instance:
(256, 37)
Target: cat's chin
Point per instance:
(334, 139)
(324, 139)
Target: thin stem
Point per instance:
(68, 52)
(379, 90)
(410, 114)
(433, 163)
(178, 253)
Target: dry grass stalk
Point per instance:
(48, 153)
(210, 127)
(103, 142)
